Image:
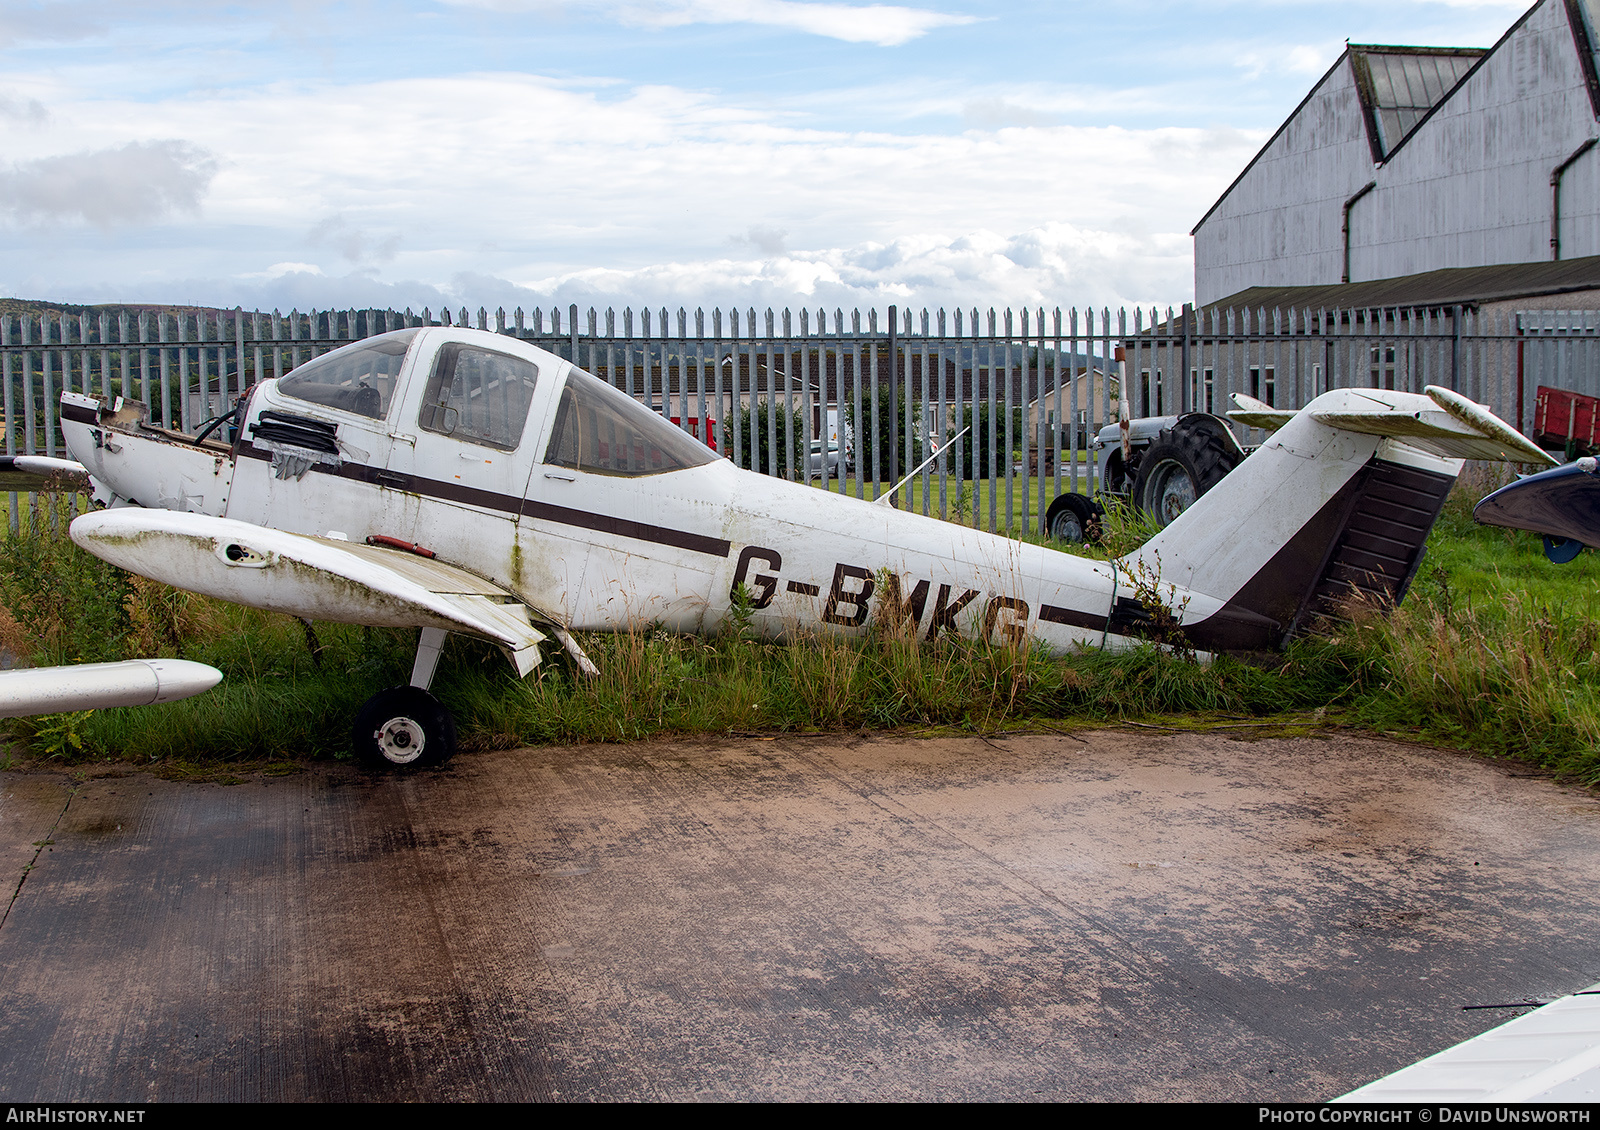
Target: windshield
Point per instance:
(359, 377)
(606, 432)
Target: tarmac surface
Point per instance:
(1129, 914)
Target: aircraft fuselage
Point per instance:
(599, 548)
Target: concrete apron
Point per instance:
(1121, 915)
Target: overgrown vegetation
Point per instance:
(1495, 650)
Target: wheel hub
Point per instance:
(1174, 492)
(1068, 528)
(400, 740)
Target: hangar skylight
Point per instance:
(1399, 85)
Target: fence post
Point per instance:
(1184, 404)
(894, 398)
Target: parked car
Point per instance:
(820, 465)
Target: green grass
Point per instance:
(1024, 512)
(1495, 649)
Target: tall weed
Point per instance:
(69, 604)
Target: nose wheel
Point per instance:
(407, 725)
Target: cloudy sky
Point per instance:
(678, 152)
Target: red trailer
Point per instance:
(1566, 420)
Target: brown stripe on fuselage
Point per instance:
(510, 504)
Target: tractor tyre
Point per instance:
(1180, 466)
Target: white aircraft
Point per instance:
(455, 480)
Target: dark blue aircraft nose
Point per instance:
(1563, 504)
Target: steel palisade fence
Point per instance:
(1044, 382)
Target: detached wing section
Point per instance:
(316, 578)
(97, 686)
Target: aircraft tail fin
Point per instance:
(1336, 504)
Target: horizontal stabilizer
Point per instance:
(1456, 429)
(314, 578)
(1258, 413)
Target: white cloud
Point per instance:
(646, 194)
(1309, 60)
(136, 183)
(1050, 265)
(353, 243)
(998, 113)
(886, 25)
(767, 240)
(883, 24)
(28, 112)
(278, 270)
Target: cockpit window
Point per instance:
(479, 395)
(606, 432)
(358, 377)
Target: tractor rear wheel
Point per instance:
(1181, 465)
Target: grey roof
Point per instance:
(1467, 286)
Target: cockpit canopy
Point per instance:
(479, 394)
(358, 378)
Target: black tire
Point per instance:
(404, 727)
(1074, 519)
(1180, 466)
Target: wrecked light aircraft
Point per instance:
(455, 480)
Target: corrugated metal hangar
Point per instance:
(1404, 160)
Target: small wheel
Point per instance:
(1074, 519)
(404, 726)
(1181, 465)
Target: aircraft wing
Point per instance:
(25, 472)
(315, 578)
(1563, 503)
(1551, 1055)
